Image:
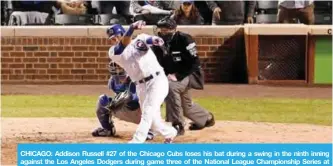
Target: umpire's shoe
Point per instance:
(180, 128)
(209, 123)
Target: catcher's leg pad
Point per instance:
(102, 113)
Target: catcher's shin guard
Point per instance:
(102, 113)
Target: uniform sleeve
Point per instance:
(113, 55)
(117, 49)
(143, 41)
(111, 52)
(191, 46)
(142, 37)
(151, 40)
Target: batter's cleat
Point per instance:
(150, 136)
(171, 139)
(209, 123)
(168, 140)
(180, 129)
(101, 132)
(132, 142)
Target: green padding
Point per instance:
(323, 60)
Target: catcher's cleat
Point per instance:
(209, 123)
(101, 132)
(168, 140)
(180, 129)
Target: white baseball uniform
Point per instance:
(139, 62)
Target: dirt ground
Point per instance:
(19, 130)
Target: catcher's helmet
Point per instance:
(116, 70)
(115, 30)
(118, 74)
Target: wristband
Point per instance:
(130, 31)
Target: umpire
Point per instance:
(182, 66)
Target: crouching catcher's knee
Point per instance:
(104, 114)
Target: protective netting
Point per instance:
(282, 57)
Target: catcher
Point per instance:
(124, 106)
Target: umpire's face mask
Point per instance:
(166, 34)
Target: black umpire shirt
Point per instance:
(181, 57)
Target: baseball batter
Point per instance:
(140, 63)
(128, 111)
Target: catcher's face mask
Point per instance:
(117, 72)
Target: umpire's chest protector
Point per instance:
(179, 55)
(183, 53)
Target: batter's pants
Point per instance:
(151, 96)
(128, 115)
(179, 105)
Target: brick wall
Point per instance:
(54, 55)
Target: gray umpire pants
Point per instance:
(179, 105)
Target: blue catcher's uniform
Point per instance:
(130, 112)
(119, 87)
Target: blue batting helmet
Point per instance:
(114, 30)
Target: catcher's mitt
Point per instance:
(120, 100)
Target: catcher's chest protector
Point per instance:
(119, 87)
